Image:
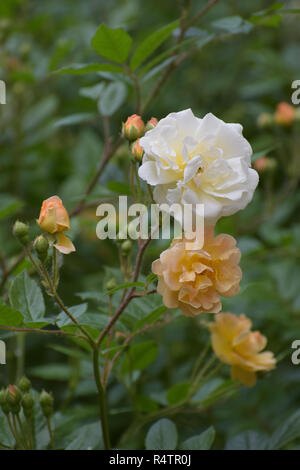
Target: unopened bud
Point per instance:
(137, 150)
(151, 124)
(265, 120)
(3, 403)
(24, 384)
(41, 246)
(27, 404)
(133, 128)
(285, 114)
(20, 231)
(111, 284)
(13, 398)
(126, 247)
(264, 163)
(46, 402)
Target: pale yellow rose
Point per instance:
(193, 280)
(54, 219)
(235, 344)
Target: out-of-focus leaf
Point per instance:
(162, 435)
(203, 441)
(9, 205)
(10, 316)
(178, 392)
(248, 440)
(141, 355)
(287, 432)
(112, 98)
(93, 92)
(113, 44)
(74, 119)
(87, 437)
(151, 43)
(59, 372)
(80, 69)
(233, 25)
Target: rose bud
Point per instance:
(151, 124)
(137, 150)
(133, 128)
(265, 120)
(285, 114)
(264, 163)
(54, 219)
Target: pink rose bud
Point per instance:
(264, 163)
(137, 150)
(285, 114)
(151, 124)
(133, 128)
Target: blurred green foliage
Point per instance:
(51, 142)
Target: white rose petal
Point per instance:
(199, 161)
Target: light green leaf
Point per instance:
(151, 43)
(112, 98)
(74, 119)
(162, 435)
(77, 311)
(59, 372)
(26, 297)
(9, 316)
(113, 44)
(93, 92)
(80, 69)
(152, 317)
(203, 441)
(233, 25)
(178, 393)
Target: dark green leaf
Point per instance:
(178, 392)
(10, 316)
(203, 441)
(26, 297)
(80, 69)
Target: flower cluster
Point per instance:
(205, 161)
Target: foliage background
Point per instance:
(50, 143)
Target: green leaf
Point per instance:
(286, 433)
(26, 297)
(9, 316)
(233, 25)
(151, 43)
(113, 44)
(141, 355)
(178, 392)
(6, 436)
(59, 372)
(112, 98)
(9, 205)
(80, 69)
(93, 92)
(152, 317)
(74, 119)
(162, 436)
(203, 441)
(124, 286)
(247, 440)
(87, 437)
(77, 311)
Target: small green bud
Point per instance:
(27, 404)
(2, 397)
(41, 246)
(126, 247)
(3, 403)
(13, 395)
(24, 384)
(20, 231)
(46, 402)
(111, 284)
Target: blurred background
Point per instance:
(51, 140)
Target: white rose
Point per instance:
(199, 161)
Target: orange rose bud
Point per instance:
(285, 114)
(54, 219)
(137, 150)
(151, 124)
(133, 128)
(235, 344)
(264, 163)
